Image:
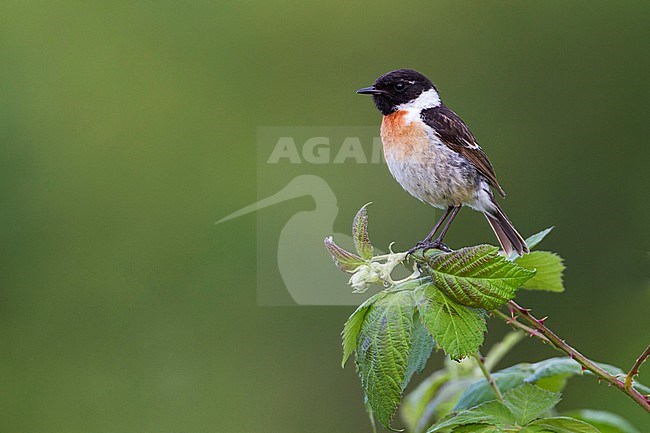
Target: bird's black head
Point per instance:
(397, 88)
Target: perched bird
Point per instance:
(435, 157)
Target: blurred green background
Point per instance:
(128, 128)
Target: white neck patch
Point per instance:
(427, 99)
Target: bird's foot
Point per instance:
(429, 245)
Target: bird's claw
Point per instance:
(429, 245)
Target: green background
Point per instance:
(128, 128)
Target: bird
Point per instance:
(435, 157)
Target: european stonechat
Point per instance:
(435, 157)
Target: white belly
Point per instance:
(432, 172)
(439, 177)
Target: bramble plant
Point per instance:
(444, 304)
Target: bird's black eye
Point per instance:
(400, 86)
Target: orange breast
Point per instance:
(401, 139)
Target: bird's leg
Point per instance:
(426, 243)
(435, 228)
(437, 243)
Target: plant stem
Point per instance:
(635, 368)
(512, 321)
(586, 363)
(488, 377)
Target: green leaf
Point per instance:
(480, 428)
(360, 233)
(417, 400)
(353, 325)
(528, 402)
(474, 276)
(559, 424)
(457, 329)
(481, 392)
(494, 413)
(550, 374)
(343, 259)
(549, 269)
(553, 367)
(422, 346)
(351, 332)
(439, 402)
(523, 404)
(606, 422)
(446, 399)
(383, 350)
(532, 242)
(535, 239)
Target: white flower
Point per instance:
(378, 273)
(363, 276)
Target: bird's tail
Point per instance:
(508, 236)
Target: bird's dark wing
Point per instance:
(456, 135)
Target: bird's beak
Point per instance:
(370, 91)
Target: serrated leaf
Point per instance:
(351, 332)
(527, 402)
(457, 329)
(550, 374)
(604, 421)
(532, 242)
(474, 276)
(559, 424)
(494, 413)
(383, 350)
(480, 391)
(422, 345)
(549, 269)
(360, 233)
(535, 239)
(353, 326)
(343, 259)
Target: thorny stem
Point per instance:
(488, 377)
(513, 321)
(635, 368)
(545, 334)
